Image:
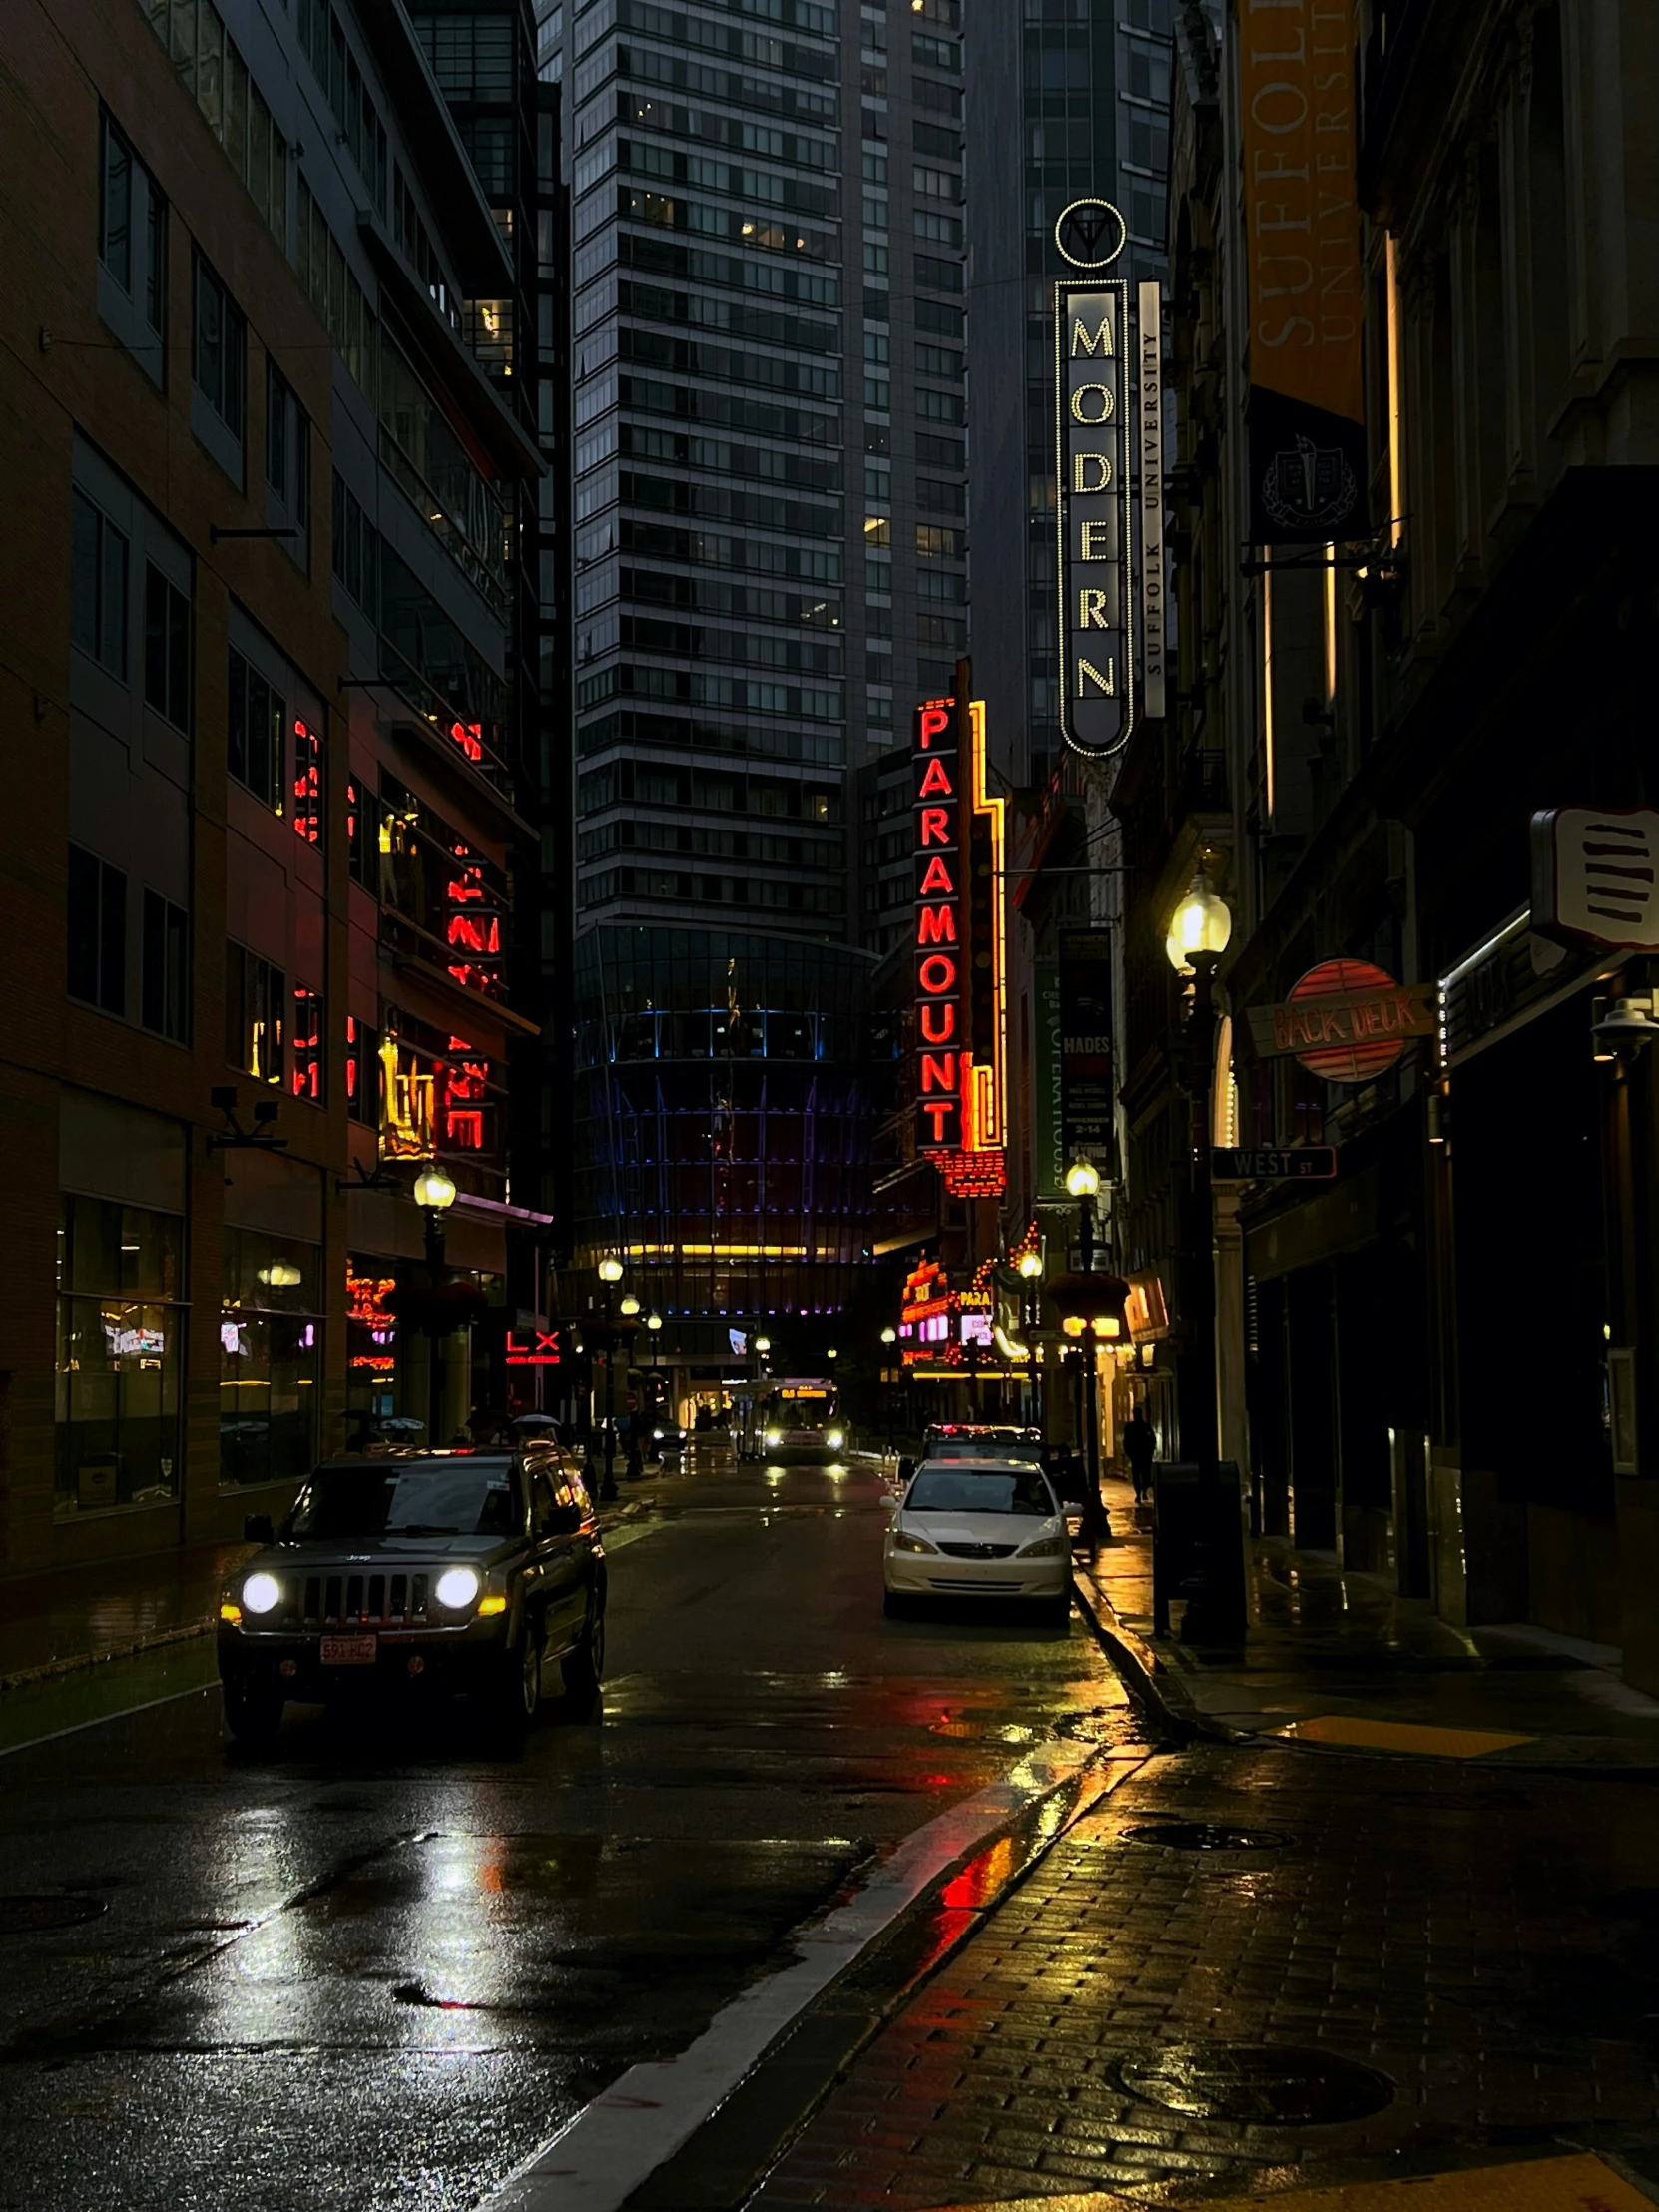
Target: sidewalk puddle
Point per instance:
(1256, 2082)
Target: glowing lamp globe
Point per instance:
(433, 1190)
(630, 1305)
(1083, 1179)
(1032, 1266)
(889, 1336)
(652, 1320)
(1202, 924)
(610, 1268)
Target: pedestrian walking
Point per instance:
(1140, 1448)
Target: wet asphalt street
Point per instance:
(380, 1967)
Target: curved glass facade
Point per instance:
(723, 1116)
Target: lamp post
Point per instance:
(1083, 1181)
(1031, 1274)
(889, 1337)
(434, 1194)
(610, 1274)
(763, 1345)
(1198, 936)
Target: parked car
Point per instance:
(975, 1441)
(990, 1528)
(428, 1572)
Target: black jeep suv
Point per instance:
(431, 1572)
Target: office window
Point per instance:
(166, 965)
(255, 1015)
(115, 206)
(97, 933)
(308, 1067)
(362, 1071)
(254, 734)
(221, 348)
(309, 789)
(287, 446)
(166, 647)
(98, 597)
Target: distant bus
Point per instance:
(798, 1420)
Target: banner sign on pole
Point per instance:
(1307, 461)
(1149, 321)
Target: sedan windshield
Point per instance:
(409, 1497)
(953, 1489)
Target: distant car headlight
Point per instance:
(1046, 1547)
(835, 1438)
(774, 1437)
(262, 1593)
(457, 1587)
(903, 1540)
(656, 1436)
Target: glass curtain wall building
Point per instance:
(769, 425)
(1072, 96)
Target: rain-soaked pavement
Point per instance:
(378, 1968)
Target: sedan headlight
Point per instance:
(774, 1437)
(262, 1593)
(903, 1540)
(1046, 1547)
(457, 1587)
(836, 1439)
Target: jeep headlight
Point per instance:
(262, 1593)
(773, 1437)
(835, 1438)
(457, 1587)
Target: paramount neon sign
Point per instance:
(961, 968)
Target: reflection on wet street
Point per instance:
(382, 1965)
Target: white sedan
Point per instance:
(978, 1529)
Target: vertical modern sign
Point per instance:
(1149, 322)
(1091, 390)
(940, 1006)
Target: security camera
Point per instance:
(266, 1111)
(1623, 1026)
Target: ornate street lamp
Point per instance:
(1199, 931)
(434, 1194)
(610, 1274)
(1031, 1274)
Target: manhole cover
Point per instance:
(24, 1916)
(1206, 1836)
(1255, 2081)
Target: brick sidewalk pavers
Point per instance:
(1488, 1942)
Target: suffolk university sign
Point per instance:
(1108, 432)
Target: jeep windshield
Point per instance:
(370, 1499)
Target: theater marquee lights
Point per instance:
(961, 948)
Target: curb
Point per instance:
(79, 1662)
(1145, 1676)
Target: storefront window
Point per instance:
(270, 1357)
(119, 1347)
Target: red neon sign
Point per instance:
(544, 1352)
(960, 988)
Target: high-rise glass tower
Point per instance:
(769, 419)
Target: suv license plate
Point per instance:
(348, 1651)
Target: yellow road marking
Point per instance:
(1579, 2184)
(1366, 1734)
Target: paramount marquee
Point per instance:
(962, 952)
